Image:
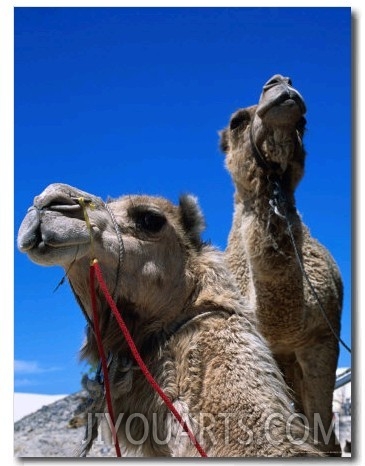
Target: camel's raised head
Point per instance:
(270, 132)
(141, 242)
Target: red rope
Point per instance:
(103, 361)
(95, 267)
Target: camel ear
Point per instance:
(192, 218)
(239, 120)
(223, 142)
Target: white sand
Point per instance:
(27, 403)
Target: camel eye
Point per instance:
(150, 221)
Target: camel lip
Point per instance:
(39, 251)
(289, 97)
(48, 243)
(41, 247)
(46, 254)
(34, 234)
(291, 102)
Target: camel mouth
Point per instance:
(290, 98)
(44, 236)
(48, 252)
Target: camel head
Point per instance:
(144, 246)
(267, 135)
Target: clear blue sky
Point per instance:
(130, 100)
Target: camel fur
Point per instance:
(189, 321)
(264, 149)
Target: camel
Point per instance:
(265, 156)
(188, 319)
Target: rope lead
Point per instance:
(103, 359)
(96, 271)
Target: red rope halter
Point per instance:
(96, 271)
(104, 364)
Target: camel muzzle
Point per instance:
(53, 230)
(280, 102)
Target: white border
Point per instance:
(7, 189)
(7, 220)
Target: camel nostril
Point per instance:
(276, 80)
(273, 81)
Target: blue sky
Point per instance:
(130, 100)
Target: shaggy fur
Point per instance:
(188, 319)
(263, 143)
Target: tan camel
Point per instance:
(188, 319)
(265, 157)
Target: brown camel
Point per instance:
(186, 315)
(265, 157)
